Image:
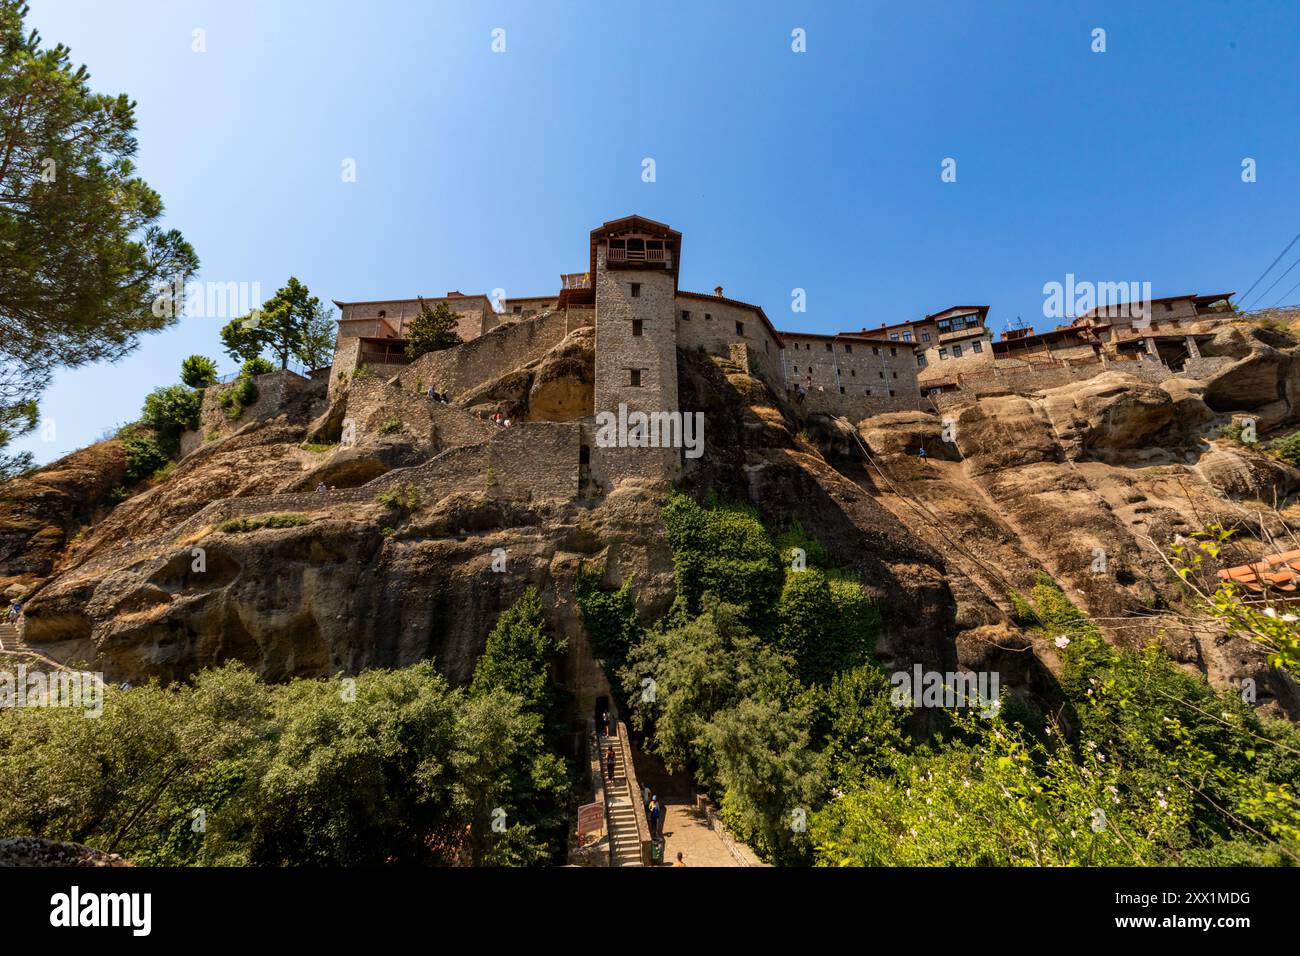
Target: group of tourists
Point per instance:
(437, 396)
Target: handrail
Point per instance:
(644, 837)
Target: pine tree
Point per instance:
(432, 330)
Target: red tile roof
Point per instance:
(1277, 572)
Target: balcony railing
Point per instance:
(639, 255)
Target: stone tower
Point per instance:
(634, 272)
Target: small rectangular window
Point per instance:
(875, 350)
(895, 375)
(848, 350)
(636, 327)
(893, 336)
(893, 351)
(925, 336)
(853, 372)
(977, 346)
(636, 290)
(518, 309)
(943, 353)
(708, 317)
(907, 336)
(636, 377)
(740, 328)
(686, 315)
(891, 393)
(829, 347)
(841, 389)
(956, 351)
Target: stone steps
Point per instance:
(620, 809)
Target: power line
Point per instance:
(1279, 279)
(1269, 269)
(1284, 295)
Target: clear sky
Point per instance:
(478, 170)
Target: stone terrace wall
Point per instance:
(855, 407)
(371, 402)
(274, 391)
(502, 350)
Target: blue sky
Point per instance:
(820, 170)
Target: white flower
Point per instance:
(1163, 804)
(1062, 641)
(1269, 612)
(1290, 618)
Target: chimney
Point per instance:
(717, 290)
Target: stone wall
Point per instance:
(852, 375)
(274, 391)
(504, 349)
(712, 326)
(623, 357)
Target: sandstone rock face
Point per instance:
(1113, 412)
(1030, 485)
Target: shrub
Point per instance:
(171, 410)
(404, 496)
(610, 618)
(198, 371)
(1287, 448)
(256, 366)
(319, 447)
(391, 426)
(725, 550)
(238, 397)
(240, 525)
(144, 456)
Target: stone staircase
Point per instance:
(620, 810)
(14, 648)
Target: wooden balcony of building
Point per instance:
(639, 254)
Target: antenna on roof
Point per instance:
(1019, 323)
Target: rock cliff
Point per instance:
(191, 571)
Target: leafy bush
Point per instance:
(1287, 448)
(199, 371)
(610, 618)
(404, 496)
(826, 624)
(256, 366)
(238, 397)
(390, 767)
(144, 455)
(240, 525)
(391, 426)
(171, 410)
(725, 550)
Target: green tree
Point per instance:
(290, 323)
(171, 410)
(198, 371)
(432, 330)
(244, 339)
(316, 348)
(527, 790)
(84, 258)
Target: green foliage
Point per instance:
(319, 447)
(1287, 448)
(727, 551)
(854, 723)
(610, 618)
(1267, 620)
(84, 264)
(171, 410)
(290, 323)
(389, 767)
(404, 496)
(255, 366)
(517, 661)
(725, 705)
(825, 623)
(432, 330)
(144, 455)
(199, 371)
(391, 426)
(240, 525)
(237, 397)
